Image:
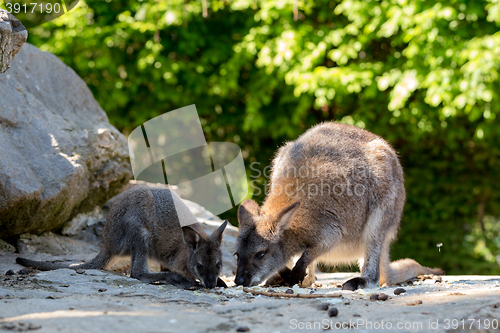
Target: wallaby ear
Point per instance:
(191, 237)
(217, 234)
(246, 212)
(285, 217)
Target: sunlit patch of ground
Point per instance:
(96, 301)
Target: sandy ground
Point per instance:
(103, 301)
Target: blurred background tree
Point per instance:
(422, 74)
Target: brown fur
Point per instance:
(143, 223)
(336, 195)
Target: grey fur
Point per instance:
(336, 196)
(143, 223)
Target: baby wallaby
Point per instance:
(336, 195)
(143, 223)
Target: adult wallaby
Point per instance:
(336, 195)
(144, 223)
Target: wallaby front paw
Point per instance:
(282, 278)
(354, 284)
(297, 277)
(276, 281)
(195, 286)
(183, 283)
(308, 281)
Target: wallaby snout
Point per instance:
(243, 278)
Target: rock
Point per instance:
(200, 212)
(60, 155)
(13, 35)
(242, 329)
(379, 297)
(82, 221)
(333, 312)
(323, 306)
(55, 245)
(6, 247)
(383, 297)
(399, 291)
(93, 233)
(9, 272)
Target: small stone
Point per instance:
(289, 291)
(374, 297)
(71, 308)
(23, 272)
(242, 329)
(383, 297)
(417, 302)
(33, 327)
(10, 272)
(399, 291)
(101, 290)
(80, 271)
(333, 312)
(8, 326)
(323, 306)
(64, 285)
(271, 291)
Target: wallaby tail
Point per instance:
(99, 262)
(405, 269)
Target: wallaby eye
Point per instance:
(260, 254)
(218, 265)
(199, 266)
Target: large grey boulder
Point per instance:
(59, 156)
(13, 35)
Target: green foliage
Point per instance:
(422, 74)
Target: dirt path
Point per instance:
(99, 301)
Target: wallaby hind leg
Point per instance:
(139, 270)
(377, 250)
(370, 271)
